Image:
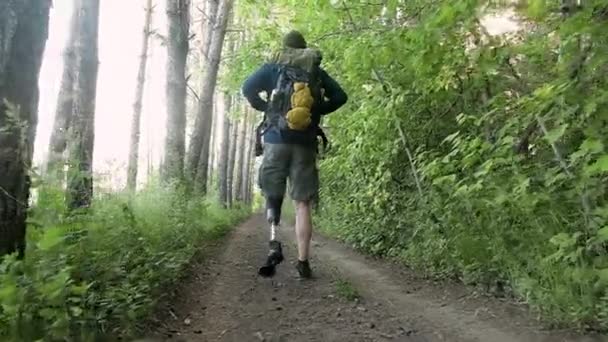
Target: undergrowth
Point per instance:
(101, 272)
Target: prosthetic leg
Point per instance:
(275, 255)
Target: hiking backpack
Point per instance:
(297, 90)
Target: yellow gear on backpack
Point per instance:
(299, 117)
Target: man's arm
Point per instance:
(336, 95)
(258, 82)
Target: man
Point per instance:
(290, 147)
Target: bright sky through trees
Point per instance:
(119, 45)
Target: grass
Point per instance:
(101, 272)
(346, 290)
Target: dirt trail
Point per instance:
(224, 300)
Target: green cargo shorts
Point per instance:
(297, 163)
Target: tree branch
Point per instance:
(194, 93)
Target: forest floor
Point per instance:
(351, 298)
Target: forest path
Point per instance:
(225, 300)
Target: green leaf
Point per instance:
(602, 234)
(600, 166)
(592, 145)
(51, 238)
(555, 134)
(603, 275)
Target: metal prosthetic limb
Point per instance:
(275, 255)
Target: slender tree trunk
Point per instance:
(82, 130)
(210, 8)
(23, 34)
(248, 162)
(65, 104)
(224, 153)
(245, 148)
(212, 142)
(137, 105)
(231, 160)
(251, 178)
(210, 13)
(178, 18)
(199, 145)
(240, 156)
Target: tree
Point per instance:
(249, 139)
(212, 144)
(224, 151)
(231, 161)
(209, 13)
(82, 130)
(137, 105)
(65, 105)
(240, 157)
(198, 156)
(178, 18)
(23, 34)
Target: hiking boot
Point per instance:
(304, 270)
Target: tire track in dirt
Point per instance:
(225, 300)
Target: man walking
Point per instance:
(298, 93)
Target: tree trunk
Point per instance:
(82, 131)
(231, 160)
(252, 180)
(224, 153)
(137, 105)
(23, 34)
(178, 18)
(247, 165)
(209, 18)
(240, 157)
(199, 145)
(212, 142)
(65, 104)
(210, 9)
(245, 148)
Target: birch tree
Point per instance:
(137, 105)
(65, 104)
(224, 152)
(82, 129)
(198, 157)
(178, 18)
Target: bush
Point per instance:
(100, 272)
(466, 155)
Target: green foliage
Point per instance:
(464, 154)
(346, 290)
(101, 272)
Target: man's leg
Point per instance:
(272, 180)
(273, 173)
(304, 179)
(303, 229)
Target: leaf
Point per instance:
(600, 166)
(603, 275)
(51, 238)
(602, 234)
(592, 145)
(451, 137)
(561, 240)
(553, 135)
